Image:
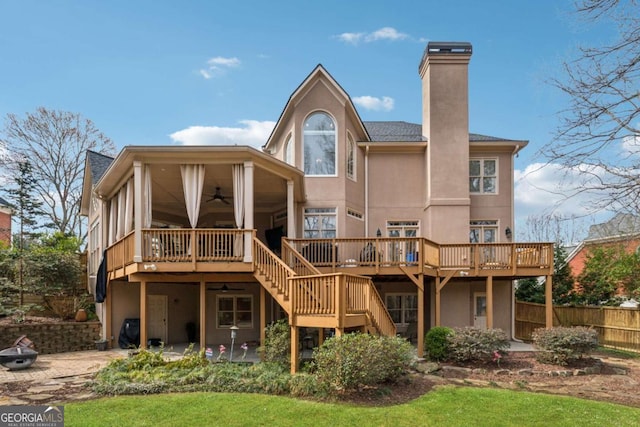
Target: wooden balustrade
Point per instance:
(296, 261)
(273, 268)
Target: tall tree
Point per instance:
(27, 210)
(55, 143)
(598, 136)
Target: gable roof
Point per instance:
(318, 72)
(98, 164)
(3, 202)
(620, 225)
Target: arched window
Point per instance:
(319, 145)
(288, 151)
(351, 158)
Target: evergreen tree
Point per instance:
(27, 211)
(563, 280)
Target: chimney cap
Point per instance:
(448, 47)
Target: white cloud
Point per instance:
(253, 133)
(550, 189)
(218, 65)
(385, 33)
(374, 103)
(351, 38)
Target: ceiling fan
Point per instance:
(225, 288)
(217, 196)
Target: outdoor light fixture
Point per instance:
(507, 232)
(151, 267)
(234, 333)
(378, 233)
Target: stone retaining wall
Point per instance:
(49, 338)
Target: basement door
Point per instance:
(157, 317)
(480, 310)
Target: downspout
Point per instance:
(513, 286)
(366, 192)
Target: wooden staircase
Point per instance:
(313, 299)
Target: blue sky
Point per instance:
(169, 72)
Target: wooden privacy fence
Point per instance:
(617, 327)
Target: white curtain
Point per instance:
(146, 196)
(121, 212)
(237, 172)
(113, 220)
(128, 214)
(192, 184)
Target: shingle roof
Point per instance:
(3, 202)
(621, 224)
(399, 131)
(99, 164)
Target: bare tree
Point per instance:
(54, 143)
(555, 228)
(598, 136)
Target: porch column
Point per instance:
(248, 210)
(137, 211)
(548, 301)
(490, 302)
(203, 314)
(291, 212)
(143, 314)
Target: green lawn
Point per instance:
(447, 406)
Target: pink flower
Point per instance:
(244, 346)
(497, 356)
(221, 349)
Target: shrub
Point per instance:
(353, 361)
(474, 344)
(560, 345)
(436, 344)
(277, 345)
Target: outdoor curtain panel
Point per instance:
(237, 171)
(192, 184)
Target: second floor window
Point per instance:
(351, 158)
(319, 145)
(483, 176)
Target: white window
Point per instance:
(94, 247)
(319, 145)
(483, 231)
(403, 308)
(319, 223)
(351, 158)
(355, 214)
(483, 176)
(235, 310)
(288, 151)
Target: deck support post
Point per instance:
(203, 314)
(143, 314)
(263, 317)
(295, 354)
(548, 301)
(489, 302)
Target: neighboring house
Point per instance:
(5, 221)
(623, 230)
(388, 226)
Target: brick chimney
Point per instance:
(445, 125)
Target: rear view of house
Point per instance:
(337, 224)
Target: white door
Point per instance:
(480, 310)
(157, 317)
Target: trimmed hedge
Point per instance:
(560, 345)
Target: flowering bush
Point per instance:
(560, 345)
(474, 344)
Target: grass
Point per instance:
(621, 354)
(449, 405)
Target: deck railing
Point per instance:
(416, 251)
(274, 269)
(199, 244)
(120, 254)
(338, 295)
